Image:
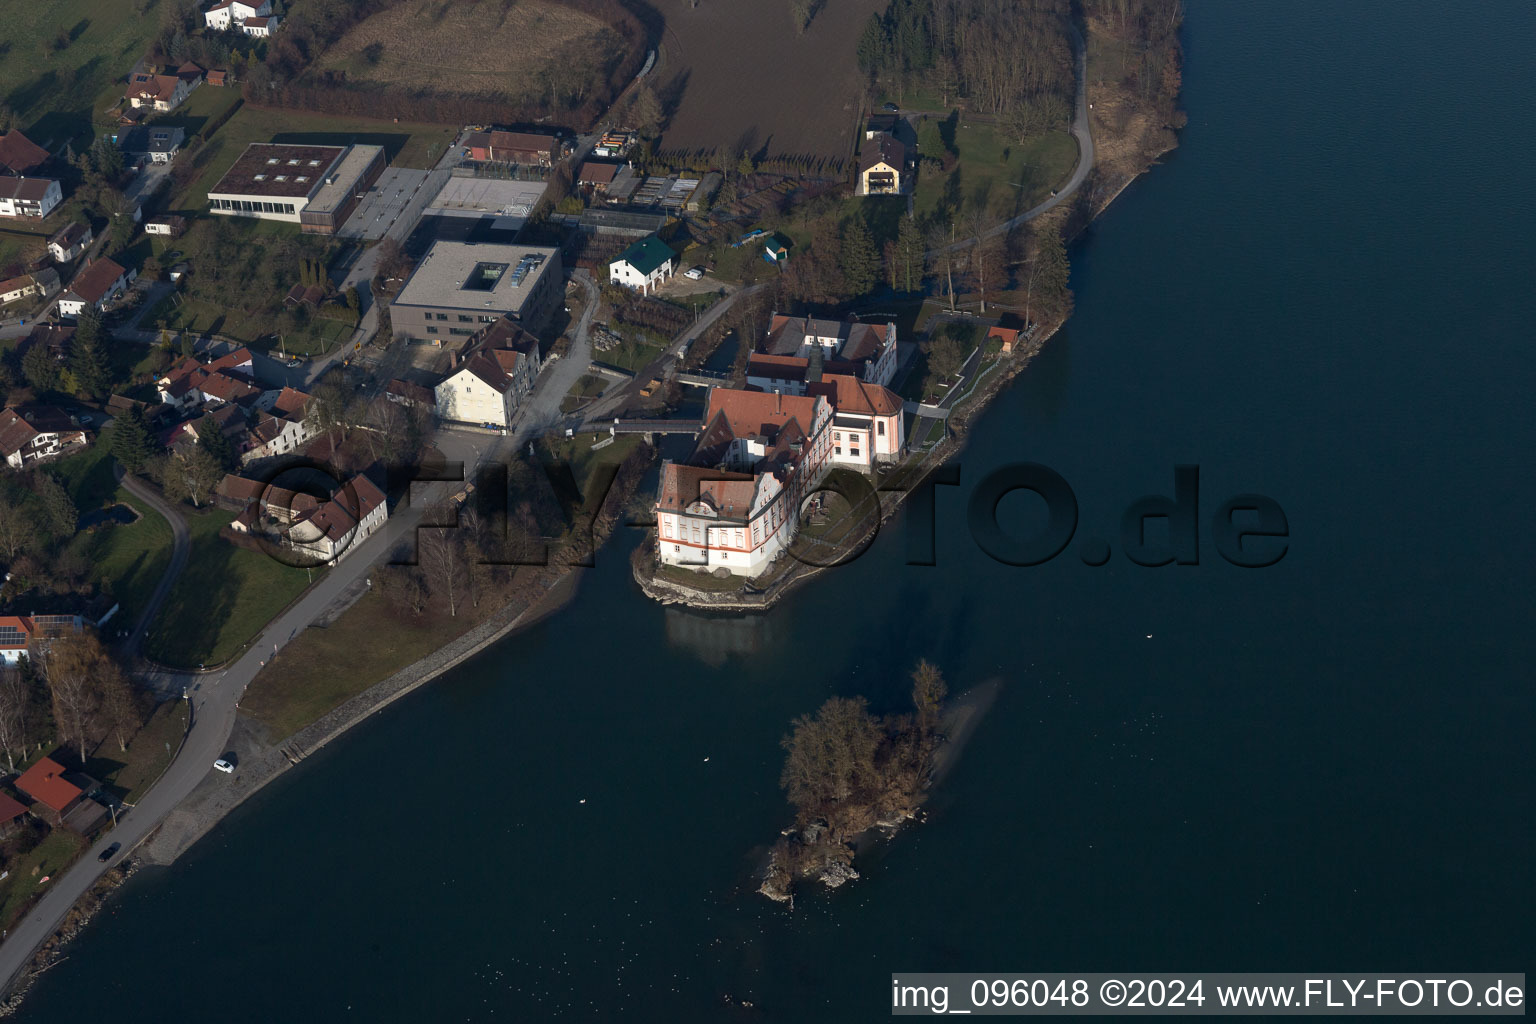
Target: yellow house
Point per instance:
(880, 166)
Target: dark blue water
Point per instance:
(1323, 296)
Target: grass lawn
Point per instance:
(222, 599)
(699, 580)
(409, 143)
(129, 774)
(196, 316)
(13, 247)
(58, 94)
(1013, 175)
(127, 559)
(47, 859)
(631, 355)
(207, 103)
(323, 668)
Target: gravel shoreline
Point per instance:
(261, 762)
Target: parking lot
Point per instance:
(383, 203)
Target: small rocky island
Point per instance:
(847, 771)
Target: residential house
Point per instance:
(101, 281)
(19, 155)
(333, 530)
(325, 531)
(228, 420)
(62, 792)
(261, 27)
(735, 504)
(191, 73)
(16, 289)
(217, 76)
(69, 241)
(867, 421)
(775, 250)
(221, 16)
(160, 93)
(29, 198)
(41, 284)
(32, 433)
(490, 377)
(15, 638)
(282, 427)
(644, 265)
(229, 378)
(882, 164)
(169, 226)
(156, 144)
(513, 148)
(55, 336)
(797, 351)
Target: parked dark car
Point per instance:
(109, 852)
(891, 108)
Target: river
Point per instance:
(1323, 296)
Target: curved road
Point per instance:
(213, 710)
(1080, 132)
(180, 546)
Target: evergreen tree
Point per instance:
(861, 261)
(58, 507)
(187, 344)
(88, 362)
(131, 443)
(40, 368)
(215, 443)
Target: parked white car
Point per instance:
(694, 273)
(223, 766)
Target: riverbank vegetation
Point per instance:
(846, 771)
(520, 531)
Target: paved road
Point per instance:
(179, 549)
(1080, 132)
(214, 707)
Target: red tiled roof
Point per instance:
(19, 154)
(16, 284)
(238, 488)
(10, 808)
(291, 404)
(18, 624)
(681, 486)
(153, 87)
(45, 783)
(753, 413)
(849, 394)
(777, 367)
(96, 279)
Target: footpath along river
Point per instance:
(1324, 296)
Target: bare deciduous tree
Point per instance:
(442, 558)
(15, 714)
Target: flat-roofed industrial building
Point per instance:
(315, 187)
(460, 287)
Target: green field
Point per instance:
(222, 599)
(57, 94)
(1009, 176)
(178, 312)
(126, 559)
(57, 851)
